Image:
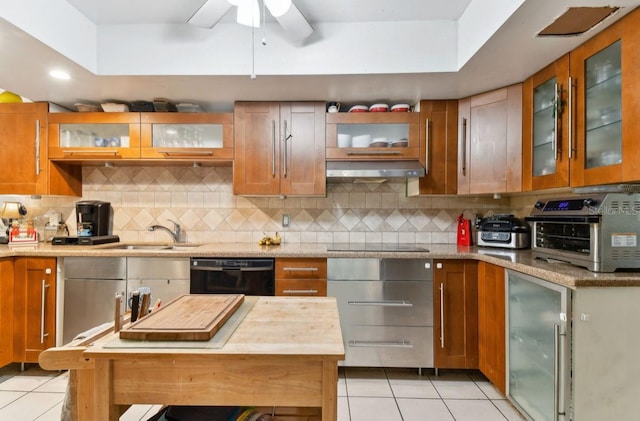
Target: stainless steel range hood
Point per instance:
(350, 170)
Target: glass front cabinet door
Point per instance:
(94, 136)
(545, 158)
(192, 137)
(604, 105)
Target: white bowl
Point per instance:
(358, 109)
(379, 142)
(361, 141)
(344, 140)
(400, 108)
(379, 108)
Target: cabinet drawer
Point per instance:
(400, 303)
(302, 287)
(380, 346)
(301, 268)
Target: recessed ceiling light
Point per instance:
(59, 74)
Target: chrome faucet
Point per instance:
(175, 234)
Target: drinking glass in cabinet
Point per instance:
(604, 107)
(546, 106)
(187, 136)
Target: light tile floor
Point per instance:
(363, 394)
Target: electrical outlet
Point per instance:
(286, 220)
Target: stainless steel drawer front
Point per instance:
(381, 346)
(397, 303)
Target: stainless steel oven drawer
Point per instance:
(375, 303)
(387, 346)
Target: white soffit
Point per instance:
(334, 48)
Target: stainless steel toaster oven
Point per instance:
(598, 231)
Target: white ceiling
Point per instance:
(361, 50)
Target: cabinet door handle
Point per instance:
(442, 315)
(286, 138)
(395, 303)
(290, 269)
(85, 152)
(556, 111)
(273, 148)
(426, 146)
(37, 147)
(170, 153)
(557, 354)
(384, 344)
(300, 291)
(463, 148)
(374, 153)
(43, 335)
(570, 111)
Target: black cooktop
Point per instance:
(399, 247)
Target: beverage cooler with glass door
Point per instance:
(538, 347)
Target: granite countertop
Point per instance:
(521, 260)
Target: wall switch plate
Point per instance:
(286, 220)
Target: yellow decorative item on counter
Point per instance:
(9, 97)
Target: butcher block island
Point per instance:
(283, 354)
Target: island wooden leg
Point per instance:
(330, 391)
(104, 409)
(83, 405)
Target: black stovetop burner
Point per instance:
(373, 247)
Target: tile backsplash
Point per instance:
(201, 200)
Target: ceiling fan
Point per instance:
(248, 13)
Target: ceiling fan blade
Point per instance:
(295, 24)
(210, 13)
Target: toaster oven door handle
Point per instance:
(594, 219)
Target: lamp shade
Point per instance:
(12, 210)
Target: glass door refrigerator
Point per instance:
(538, 347)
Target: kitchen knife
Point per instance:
(144, 306)
(118, 314)
(135, 305)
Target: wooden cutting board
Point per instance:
(187, 318)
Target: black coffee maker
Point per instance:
(93, 218)
(94, 221)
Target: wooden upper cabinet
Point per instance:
(545, 129)
(91, 137)
(279, 148)
(26, 169)
(490, 146)
(188, 137)
(396, 132)
(455, 300)
(35, 307)
(438, 149)
(605, 106)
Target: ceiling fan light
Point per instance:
(278, 7)
(249, 14)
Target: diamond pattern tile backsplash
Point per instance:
(201, 200)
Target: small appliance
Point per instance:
(598, 231)
(504, 231)
(94, 220)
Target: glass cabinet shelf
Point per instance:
(544, 127)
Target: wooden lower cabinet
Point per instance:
(491, 323)
(35, 307)
(301, 277)
(455, 299)
(6, 311)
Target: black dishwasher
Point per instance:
(232, 276)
